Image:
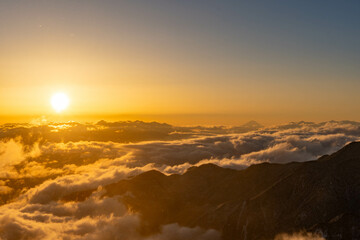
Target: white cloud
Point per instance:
(95, 218)
(299, 236)
(73, 167)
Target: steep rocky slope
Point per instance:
(256, 203)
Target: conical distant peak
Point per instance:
(252, 123)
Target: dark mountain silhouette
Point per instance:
(259, 202)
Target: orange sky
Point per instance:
(180, 64)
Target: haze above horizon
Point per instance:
(210, 62)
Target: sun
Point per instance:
(60, 101)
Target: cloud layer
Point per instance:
(94, 218)
(42, 165)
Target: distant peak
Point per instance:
(252, 123)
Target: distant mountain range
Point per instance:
(122, 131)
(321, 196)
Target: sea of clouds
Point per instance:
(40, 164)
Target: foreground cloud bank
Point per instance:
(93, 218)
(43, 164)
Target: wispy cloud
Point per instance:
(40, 170)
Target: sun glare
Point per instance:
(60, 102)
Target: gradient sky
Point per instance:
(221, 61)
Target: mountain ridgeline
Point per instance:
(321, 196)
